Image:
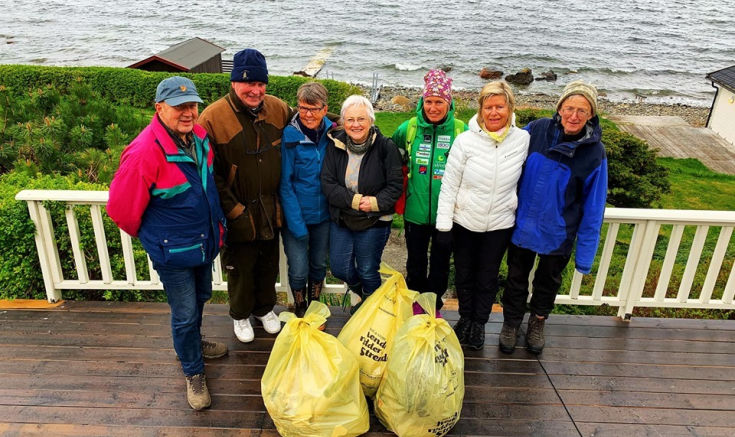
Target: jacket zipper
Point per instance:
(430, 173)
(495, 187)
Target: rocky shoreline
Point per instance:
(407, 96)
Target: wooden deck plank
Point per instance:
(679, 140)
(655, 385)
(88, 369)
(644, 430)
(640, 370)
(681, 401)
(651, 416)
(638, 357)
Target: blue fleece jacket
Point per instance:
(562, 192)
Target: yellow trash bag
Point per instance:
(369, 332)
(423, 388)
(311, 384)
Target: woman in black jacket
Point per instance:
(362, 181)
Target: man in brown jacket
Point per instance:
(245, 128)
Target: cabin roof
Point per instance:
(185, 55)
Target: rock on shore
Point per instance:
(694, 115)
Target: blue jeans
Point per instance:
(307, 258)
(187, 291)
(354, 256)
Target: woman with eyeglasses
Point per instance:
(561, 199)
(477, 206)
(362, 181)
(306, 234)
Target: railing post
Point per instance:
(48, 252)
(639, 260)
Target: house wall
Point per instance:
(722, 119)
(213, 65)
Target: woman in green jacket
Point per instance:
(425, 141)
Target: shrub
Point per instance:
(138, 87)
(635, 178)
(20, 270)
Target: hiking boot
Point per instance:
(462, 329)
(299, 302)
(244, 331)
(315, 290)
(270, 322)
(476, 338)
(213, 349)
(508, 339)
(196, 392)
(535, 334)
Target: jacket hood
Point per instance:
(422, 122)
(593, 135)
(292, 134)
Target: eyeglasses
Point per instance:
(358, 120)
(580, 112)
(306, 110)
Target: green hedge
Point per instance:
(138, 88)
(20, 270)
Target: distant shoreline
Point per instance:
(694, 115)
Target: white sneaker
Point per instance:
(271, 324)
(243, 330)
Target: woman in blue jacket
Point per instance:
(306, 234)
(561, 198)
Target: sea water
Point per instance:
(658, 50)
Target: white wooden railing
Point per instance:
(639, 229)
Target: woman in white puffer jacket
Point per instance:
(477, 205)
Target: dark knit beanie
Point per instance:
(249, 66)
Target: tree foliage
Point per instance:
(47, 131)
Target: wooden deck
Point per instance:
(108, 369)
(675, 138)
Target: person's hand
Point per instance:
(444, 240)
(365, 205)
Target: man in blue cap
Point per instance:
(245, 127)
(164, 193)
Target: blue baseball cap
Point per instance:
(176, 90)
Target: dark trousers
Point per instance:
(477, 257)
(546, 283)
(252, 270)
(418, 238)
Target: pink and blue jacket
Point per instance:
(162, 196)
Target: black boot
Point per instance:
(476, 340)
(462, 329)
(535, 334)
(315, 290)
(357, 289)
(508, 339)
(299, 301)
